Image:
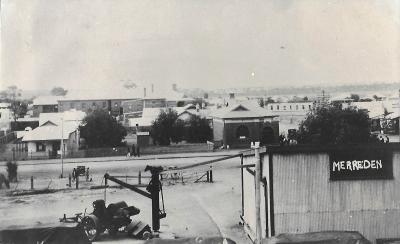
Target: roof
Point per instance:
(70, 115)
(122, 94)
(151, 114)
(46, 100)
(50, 132)
(102, 94)
(241, 110)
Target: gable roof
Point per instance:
(241, 110)
(50, 132)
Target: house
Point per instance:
(238, 125)
(45, 104)
(45, 140)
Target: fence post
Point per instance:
(208, 176)
(69, 180)
(140, 177)
(77, 182)
(211, 174)
(31, 182)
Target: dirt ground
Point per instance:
(193, 209)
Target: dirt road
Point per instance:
(193, 209)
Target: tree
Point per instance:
(355, 97)
(261, 102)
(167, 127)
(333, 125)
(58, 91)
(199, 130)
(100, 129)
(269, 100)
(18, 106)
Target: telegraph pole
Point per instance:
(62, 148)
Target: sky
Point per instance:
(85, 44)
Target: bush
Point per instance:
(12, 171)
(334, 125)
(100, 129)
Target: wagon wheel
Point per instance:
(90, 228)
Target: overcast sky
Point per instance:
(206, 44)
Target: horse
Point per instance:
(4, 180)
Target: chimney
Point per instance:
(174, 87)
(144, 92)
(232, 95)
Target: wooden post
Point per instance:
(69, 180)
(208, 176)
(31, 182)
(140, 177)
(211, 175)
(77, 182)
(257, 179)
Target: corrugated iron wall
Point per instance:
(306, 200)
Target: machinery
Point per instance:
(116, 217)
(153, 192)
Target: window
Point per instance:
(72, 105)
(272, 107)
(242, 132)
(277, 107)
(290, 107)
(83, 105)
(297, 107)
(304, 107)
(104, 104)
(284, 107)
(40, 147)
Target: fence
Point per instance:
(105, 152)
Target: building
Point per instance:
(88, 101)
(45, 104)
(313, 188)
(5, 116)
(290, 114)
(45, 140)
(238, 125)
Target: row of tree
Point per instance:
(324, 125)
(169, 128)
(100, 129)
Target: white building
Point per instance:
(5, 116)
